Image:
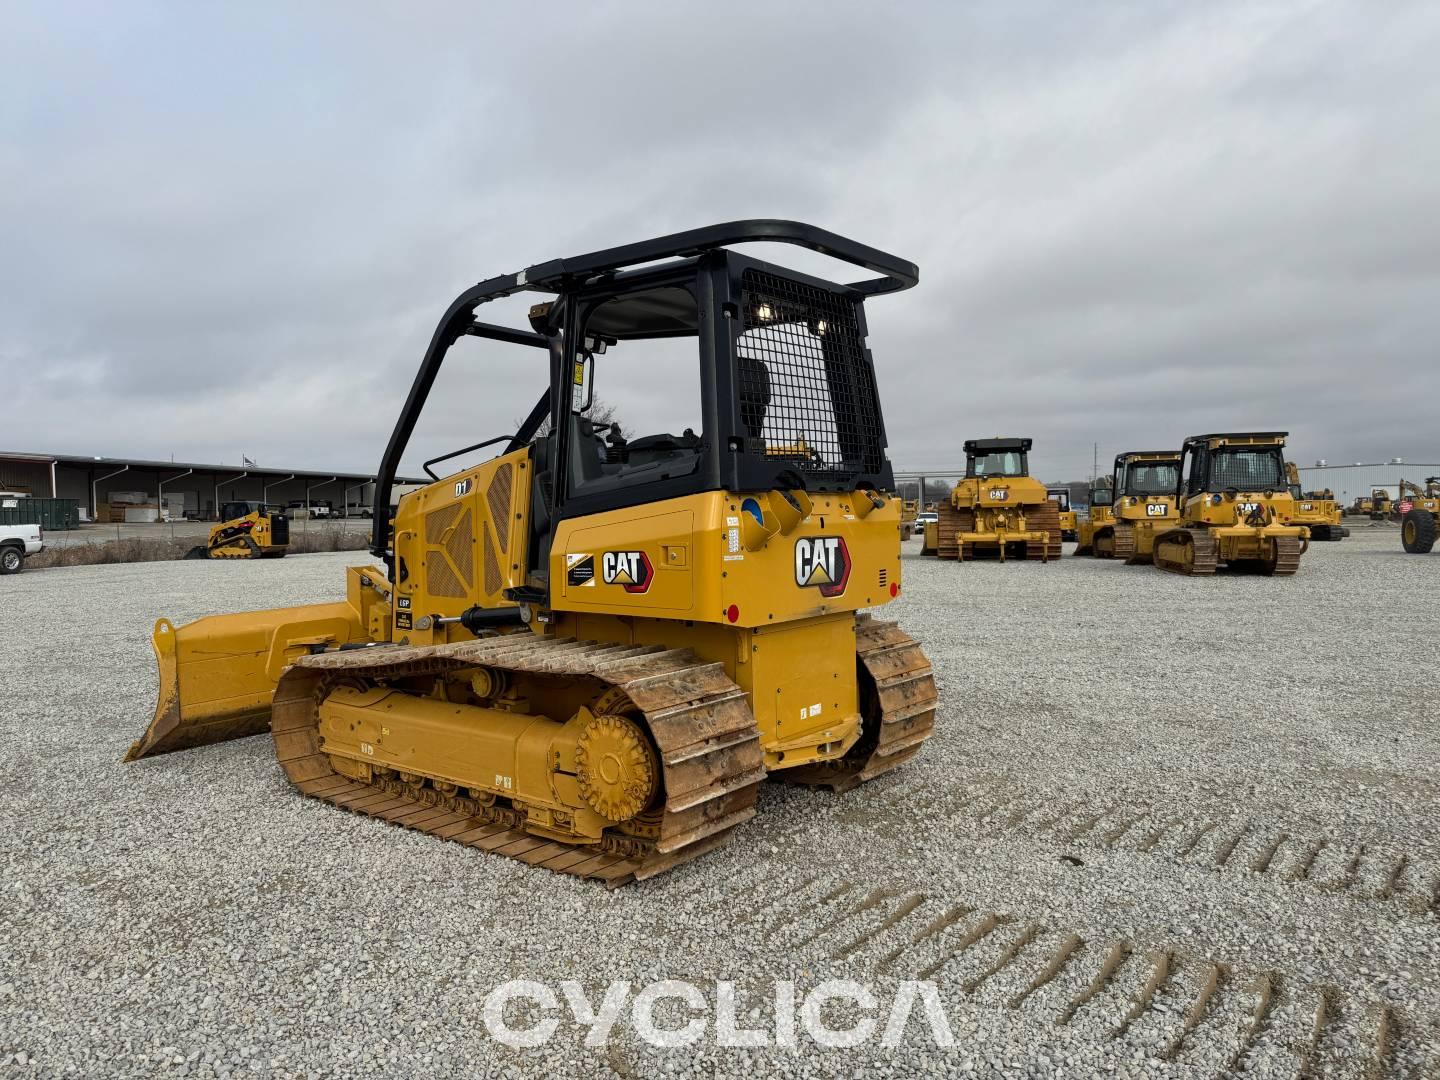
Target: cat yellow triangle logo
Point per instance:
(818, 576)
(622, 577)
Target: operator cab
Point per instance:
(1245, 462)
(1146, 474)
(783, 396)
(991, 458)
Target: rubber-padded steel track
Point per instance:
(1288, 550)
(1186, 551)
(952, 521)
(700, 720)
(897, 700)
(1125, 543)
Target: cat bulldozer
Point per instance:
(1234, 508)
(1069, 518)
(1145, 505)
(588, 651)
(246, 531)
(1316, 510)
(998, 509)
(1419, 510)
(1100, 514)
(909, 510)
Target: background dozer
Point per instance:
(1145, 505)
(1069, 518)
(998, 510)
(588, 651)
(1234, 504)
(1316, 510)
(1420, 508)
(1100, 514)
(246, 531)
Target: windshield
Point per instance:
(1248, 468)
(1101, 495)
(998, 463)
(1151, 478)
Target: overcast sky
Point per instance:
(228, 230)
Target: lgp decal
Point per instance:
(822, 562)
(630, 569)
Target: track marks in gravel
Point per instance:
(1356, 868)
(1166, 1001)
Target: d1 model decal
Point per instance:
(822, 562)
(630, 569)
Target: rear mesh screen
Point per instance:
(807, 392)
(1248, 470)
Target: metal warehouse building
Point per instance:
(1349, 482)
(194, 489)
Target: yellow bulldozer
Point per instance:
(1377, 506)
(1316, 510)
(1145, 505)
(1069, 517)
(588, 651)
(1100, 514)
(1235, 505)
(1419, 509)
(246, 531)
(998, 510)
(909, 510)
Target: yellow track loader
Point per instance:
(1100, 514)
(246, 531)
(1235, 505)
(909, 510)
(1419, 510)
(1316, 510)
(1145, 505)
(1069, 518)
(998, 510)
(588, 651)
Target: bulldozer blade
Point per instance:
(217, 674)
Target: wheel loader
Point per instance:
(588, 651)
(246, 531)
(1316, 510)
(1100, 514)
(1234, 508)
(1419, 510)
(1145, 505)
(1069, 518)
(998, 509)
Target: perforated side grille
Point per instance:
(437, 521)
(441, 577)
(499, 499)
(462, 548)
(492, 569)
(805, 384)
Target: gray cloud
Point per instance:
(231, 230)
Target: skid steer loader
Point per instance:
(998, 510)
(1234, 505)
(1144, 483)
(246, 531)
(1100, 514)
(1316, 510)
(588, 651)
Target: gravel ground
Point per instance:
(1167, 827)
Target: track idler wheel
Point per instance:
(616, 768)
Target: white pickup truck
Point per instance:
(16, 542)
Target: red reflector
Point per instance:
(894, 588)
(732, 613)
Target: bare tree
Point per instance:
(600, 412)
